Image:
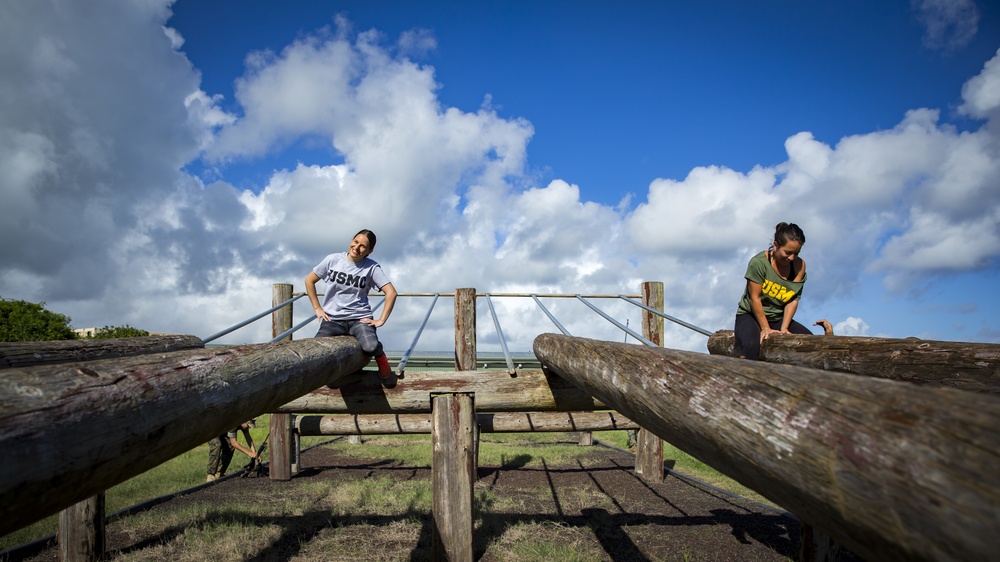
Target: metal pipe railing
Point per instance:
(401, 366)
(623, 327)
(551, 317)
(503, 342)
(254, 319)
(667, 316)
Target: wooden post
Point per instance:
(81, 531)
(279, 466)
(452, 476)
(281, 319)
(139, 412)
(892, 471)
(465, 329)
(465, 343)
(648, 446)
(817, 546)
(296, 450)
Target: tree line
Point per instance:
(23, 321)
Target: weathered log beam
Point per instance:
(966, 366)
(532, 390)
(387, 424)
(27, 354)
(892, 471)
(71, 431)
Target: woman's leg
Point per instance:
(797, 328)
(332, 328)
(747, 336)
(367, 338)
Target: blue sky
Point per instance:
(209, 149)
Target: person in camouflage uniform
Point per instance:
(221, 449)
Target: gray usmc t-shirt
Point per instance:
(346, 295)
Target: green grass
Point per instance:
(180, 473)
(510, 450)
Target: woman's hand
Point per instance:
(766, 333)
(321, 314)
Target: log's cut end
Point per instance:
(722, 342)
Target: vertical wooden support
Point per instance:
(649, 447)
(281, 319)
(81, 531)
(453, 422)
(279, 466)
(586, 438)
(280, 462)
(296, 448)
(465, 343)
(465, 329)
(817, 546)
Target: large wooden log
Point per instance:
(532, 390)
(387, 424)
(27, 354)
(893, 471)
(967, 366)
(73, 430)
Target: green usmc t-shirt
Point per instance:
(775, 291)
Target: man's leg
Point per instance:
(214, 458)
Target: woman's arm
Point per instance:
(755, 290)
(786, 318)
(790, 308)
(390, 301)
(311, 280)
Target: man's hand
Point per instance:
(827, 327)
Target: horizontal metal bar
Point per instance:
(702, 331)
(503, 342)
(401, 366)
(254, 319)
(624, 328)
(551, 317)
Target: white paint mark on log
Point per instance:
(755, 416)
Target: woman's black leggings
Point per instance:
(748, 334)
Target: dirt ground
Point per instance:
(628, 519)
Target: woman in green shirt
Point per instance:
(774, 284)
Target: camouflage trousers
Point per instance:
(220, 454)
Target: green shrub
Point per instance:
(22, 321)
(125, 331)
